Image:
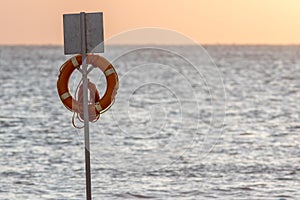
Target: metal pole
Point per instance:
(85, 107)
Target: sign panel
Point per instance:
(93, 33)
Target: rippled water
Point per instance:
(159, 140)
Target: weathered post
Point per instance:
(83, 33)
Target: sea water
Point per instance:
(172, 133)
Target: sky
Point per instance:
(205, 21)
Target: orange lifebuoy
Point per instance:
(101, 104)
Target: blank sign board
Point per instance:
(93, 33)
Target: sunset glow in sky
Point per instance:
(206, 21)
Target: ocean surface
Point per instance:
(220, 124)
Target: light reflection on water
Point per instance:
(257, 155)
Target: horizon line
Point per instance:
(163, 44)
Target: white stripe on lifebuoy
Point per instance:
(65, 96)
(98, 106)
(109, 71)
(74, 62)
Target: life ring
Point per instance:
(100, 106)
